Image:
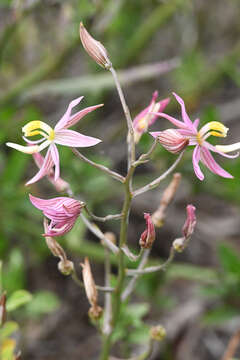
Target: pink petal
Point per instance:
(162, 104)
(212, 165)
(79, 115)
(185, 116)
(155, 134)
(196, 159)
(66, 117)
(74, 139)
(61, 228)
(196, 123)
(55, 157)
(45, 168)
(174, 121)
(43, 204)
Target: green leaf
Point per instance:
(140, 335)
(43, 302)
(8, 329)
(17, 299)
(229, 259)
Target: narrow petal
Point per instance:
(66, 117)
(74, 139)
(196, 123)
(55, 157)
(25, 149)
(196, 159)
(228, 148)
(216, 150)
(185, 116)
(44, 170)
(79, 115)
(212, 165)
(174, 121)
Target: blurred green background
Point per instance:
(190, 47)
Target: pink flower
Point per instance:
(50, 137)
(197, 138)
(172, 140)
(146, 117)
(62, 211)
(148, 236)
(190, 223)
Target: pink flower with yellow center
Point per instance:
(61, 211)
(147, 117)
(188, 130)
(50, 137)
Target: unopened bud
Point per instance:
(2, 309)
(190, 223)
(159, 215)
(179, 244)
(94, 48)
(66, 267)
(148, 236)
(172, 140)
(158, 333)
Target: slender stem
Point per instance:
(129, 254)
(131, 285)
(116, 305)
(102, 219)
(156, 182)
(146, 157)
(108, 300)
(103, 168)
(96, 231)
(130, 136)
(150, 269)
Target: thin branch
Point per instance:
(151, 269)
(146, 157)
(103, 168)
(156, 182)
(96, 231)
(129, 254)
(131, 143)
(107, 328)
(131, 285)
(102, 219)
(232, 346)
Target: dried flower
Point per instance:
(171, 140)
(94, 48)
(2, 309)
(148, 236)
(158, 333)
(91, 291)
(159, 215)
(62, 211)
(59, 135)
(197, 138)
(147, 117)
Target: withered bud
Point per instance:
(179, 244)
(90, 287)
(66, 267)
(159, 215)
(95, 312)
(148, 236)
(158, 333)
(172, 140)
(94, 48)
(2, 309)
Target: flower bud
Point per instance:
(95, 312)
(179, 244)
(148, 236)
(66, 267)
(94, 48)
(157, 333)
(171, 140)
(190, 223)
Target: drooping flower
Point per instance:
(146, 117)
(187, 229)
(148, 236)
(50, 137)
(61, 211)
(197, 138)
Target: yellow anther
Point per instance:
(215, 133)
(37, 127)
(199, 138)
(216, 125)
